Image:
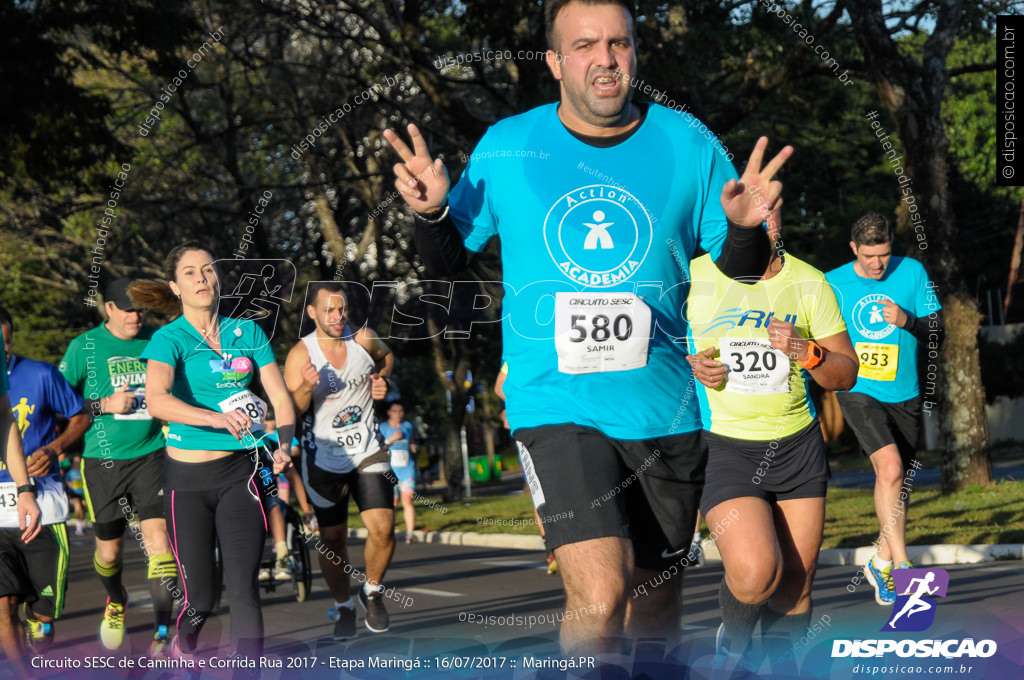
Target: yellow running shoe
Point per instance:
(38, 635)
(112, 628)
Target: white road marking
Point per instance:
(431, 591)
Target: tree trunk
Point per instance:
(965, 422)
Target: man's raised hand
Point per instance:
(422, 181)
(750, 200)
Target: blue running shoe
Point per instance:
(881, 581)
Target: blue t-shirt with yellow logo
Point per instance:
(606, 222)
(205, 378)
(38, 393)
(887, 354)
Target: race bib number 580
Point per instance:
(601, 332)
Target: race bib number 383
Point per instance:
(248, 403)
(601, 332)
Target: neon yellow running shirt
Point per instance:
(764, 396)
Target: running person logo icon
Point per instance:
(913, 611)
(259, 289)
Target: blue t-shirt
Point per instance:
(402, 444)
(38, 392)
(887, 354)
(574, 217)
(204, 378)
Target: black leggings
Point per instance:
(204, 501)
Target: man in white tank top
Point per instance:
(334, 376)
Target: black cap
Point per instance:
(117, 292)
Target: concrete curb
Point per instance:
(920, 555)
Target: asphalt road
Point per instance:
(443, 586)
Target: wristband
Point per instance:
(815, 356)
(435, 220)
(27, 488)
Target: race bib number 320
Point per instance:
(601, 332)
(755, 367)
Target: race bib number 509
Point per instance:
(600, 332)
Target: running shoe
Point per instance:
(185, 672)
(282, 570)
(160, 647)
(38, 635)
(344, 622)
(410, 538)
(264, 575)
(881, 581)
(377, 619)
(697, 550)
(552, 563)
(112, 628)
(727, 664)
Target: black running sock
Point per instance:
(110, 576)
(739, 619)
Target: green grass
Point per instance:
(985, 515)
(989, 515)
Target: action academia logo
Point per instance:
(598, 235)
(868, 317)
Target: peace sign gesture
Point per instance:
(751, 200)
(422, 181)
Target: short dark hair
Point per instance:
(872, 229)
(5, 318)
(553, 7)
(330, 286)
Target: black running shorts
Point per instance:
(878, 424)
(781, 469)
(586, 485)
(35, 573)
(138, 480)
(329, 491)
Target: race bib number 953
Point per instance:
(601, 332)
(878, 361)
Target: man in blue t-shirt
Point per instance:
(888, 304)
(600, 203)
(19, 526)
(38, 394)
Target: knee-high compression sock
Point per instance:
(163, 581)
(110, 576)
(739, 618)
(779, 633)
